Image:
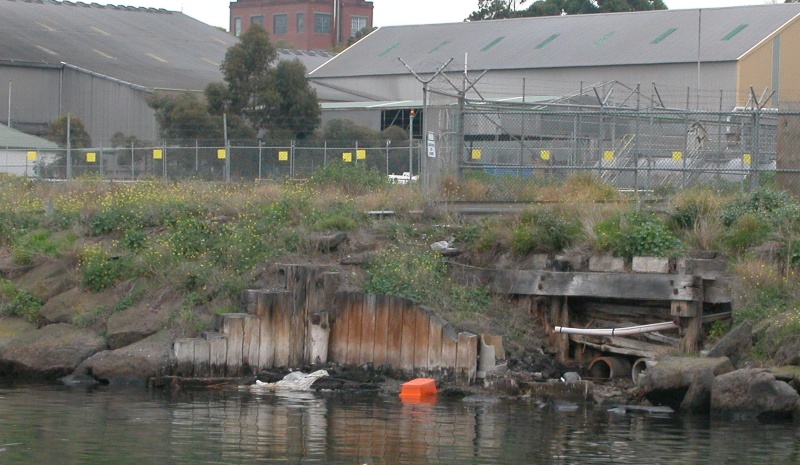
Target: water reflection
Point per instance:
(66, 426)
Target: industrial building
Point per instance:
(700, 58)
(303, 24)
(99, 63)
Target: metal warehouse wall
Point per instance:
(773, 65)
(672, 81)
(34, 96)
(107, 107)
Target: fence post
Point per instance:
(69, 146)
(260, 148)
(100, 160)
(291, 158)
(685, 137)
(133, 162)
(196, 156)
(164, 158)
(325, 154)
(756, 152)
(387, 156)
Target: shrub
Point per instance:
(349, 177)
(764, 200)
(18, 302)
(411, 273)
(748, 230)
(99, 269)
(545, 230)
(636, 234)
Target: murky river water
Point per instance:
(58, 425)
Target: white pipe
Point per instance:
(618, 331)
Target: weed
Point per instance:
(18, 302)
(100, 270)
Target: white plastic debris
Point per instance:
(295, 381)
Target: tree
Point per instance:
(298, 109)
(184, 117)
(270, 97)
(79, 138)
(499, 9)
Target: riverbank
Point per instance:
(99, 279)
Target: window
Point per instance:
(237, 27)
(323, 23)
(357, 23)
(301, 22)
(257, 20)
(279, 24)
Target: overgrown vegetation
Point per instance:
(206, 242)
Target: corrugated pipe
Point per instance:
(617, 331)
(610, 367)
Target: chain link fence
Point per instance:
(236, 161)
(642, 151)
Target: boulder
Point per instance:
(139, 361)
(329, 243)
(668, 382)
(12, 328)
(138, 322)
(698, 397)
(752, 393)
(735, 345)
(47, 280)
(65, 307)
(51, 352)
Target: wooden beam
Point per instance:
(639, 286)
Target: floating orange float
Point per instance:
(418, 388)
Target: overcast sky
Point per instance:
(389, 12)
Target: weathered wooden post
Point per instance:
(687, 308)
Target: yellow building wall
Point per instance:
(756, 67)
(755, 70)
(790, 63)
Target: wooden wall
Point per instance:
(310, 322)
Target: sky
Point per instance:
(389, 12)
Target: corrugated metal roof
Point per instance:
(149, 47)
(13, 139)
(652, 37)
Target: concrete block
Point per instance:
(540, 261)
(706, 268)
(650, 265)
(607, 264)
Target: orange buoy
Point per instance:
(418, 388)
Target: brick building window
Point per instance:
(258, 19)
(279, 24)
(323, 23)
(301, 22)
(237, 27)
(357, 23)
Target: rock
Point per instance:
(571, 377)
(132, 364)
(47, 280)
(669, 380)
(139, 322)
(698, 397)
(607, 264)
(65, 307)
(735, 345)
(331, 242)
(356, 259)
(752, 393)
(53, 351)
(12, 328)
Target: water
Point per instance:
(60, 425)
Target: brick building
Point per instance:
(303, 24)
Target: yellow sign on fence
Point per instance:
(158, 154)
(32, 155)
(361, 154)
(677, 155)
(347, 157)
(283, 155)
(608, 155)
(747, 158)
(222, 154)
(91, 157)
(477, 154)
(545, 154)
